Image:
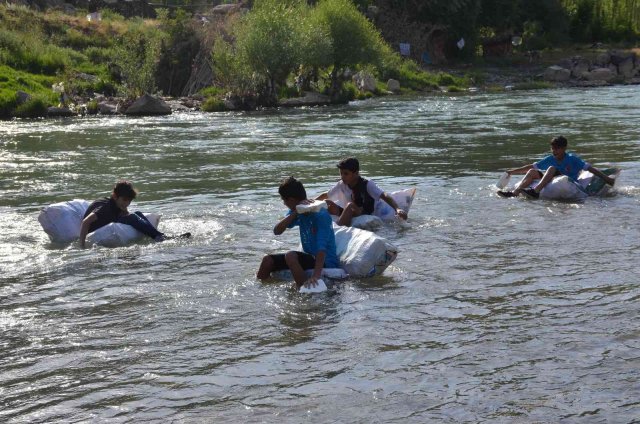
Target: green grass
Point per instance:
(213, 104)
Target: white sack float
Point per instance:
(361, 254)
(563, 188)
(381, 210)
(61, 221)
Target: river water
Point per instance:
(496, 310)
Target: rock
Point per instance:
(557, 74)
(566, 64)
(224, 9)
(233, 102)
(580, 67)
(148, 105)
(613, 68)
(393, 85)
(617, 57)
(87, 77)
(591, 84)
(364, 81)
(626, 69)
(106, 108)
(22, 97)
(600, 74)
(310, 99)
(602, 60)
(59, 111)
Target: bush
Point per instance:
(444, 79)
(212, 91)
(8, 102)
(214, 104)
(33, 108)
(92, 107)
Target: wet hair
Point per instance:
(559, 141)
(350, 164)
(125, 189)
(290, 187)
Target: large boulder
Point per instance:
(600, 74)
(580, 67)
(557, 74)
(602, 60)
(618, 57)
(59, 112)
(365, 81)
(626, 68)
(22, 97)
(108, 108)
(393, 85)
(310, 99)
(148, 105)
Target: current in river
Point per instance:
(496, 310)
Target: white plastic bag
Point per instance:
(562, 188)
(61, 221)
(403, 198)
(363, 253)
(117, 235)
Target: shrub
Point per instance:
(444, 79)
(32, 108)
(211, 91)
(8, 102)
(213, 104)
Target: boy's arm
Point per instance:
(284, 223)
(317, 269)
(400, 212)
(521, 170)
(597, 172)
(84, 227)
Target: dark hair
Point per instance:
(290, 187)
(350, 164)
(559, 141)
(125, 189)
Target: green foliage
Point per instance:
(212, 91)
(92, 107)
(268, 41)
(444, 79)
(230, 71)
(137, 54)
(348, 92)
(287, 92)
(354, 39)
(213, 104)
(603, 20)
(32, 108)
(8, 102)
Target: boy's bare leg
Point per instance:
(266, 266)
(299, 276)
(530, 177)
(546, 179)
(350, 211)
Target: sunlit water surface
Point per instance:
(496, 310)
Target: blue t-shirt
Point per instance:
(317, 234)
(570, 165)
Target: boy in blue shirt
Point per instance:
(316, 235)
(558, 163)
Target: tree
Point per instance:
(268, 40)
(354, 39)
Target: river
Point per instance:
(496, 310)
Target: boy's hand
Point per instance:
(311, 282)
(610, 181)
(401, 214)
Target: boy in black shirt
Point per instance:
(114, 209)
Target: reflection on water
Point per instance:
(496, 310)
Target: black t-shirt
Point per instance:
(106, 210)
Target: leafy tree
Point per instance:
(354, 39)
(137, 54)
(268, 40)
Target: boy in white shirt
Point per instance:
(357, 194)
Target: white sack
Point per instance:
(61, 221)
(328, 273)
(362, 253)
(117, 235)
(562, 188)
(364, 222)
(404, 199)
